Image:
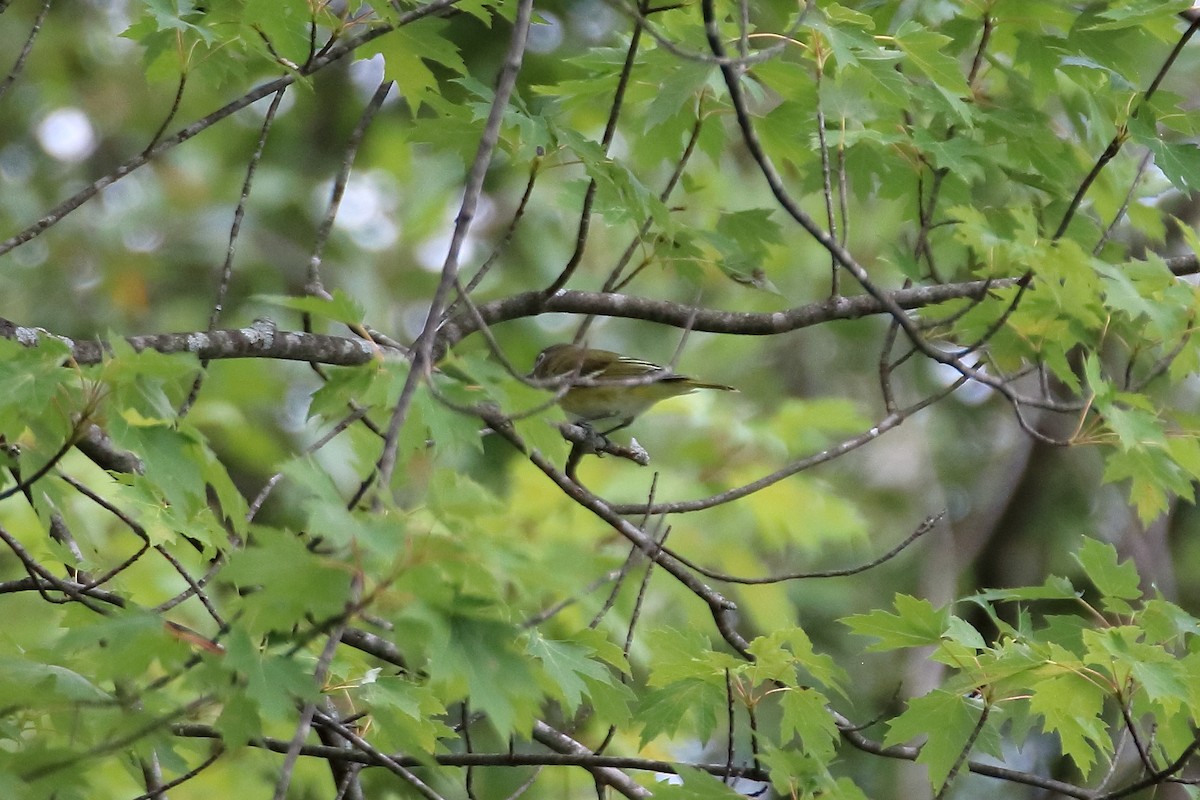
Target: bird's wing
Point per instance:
(626, 367)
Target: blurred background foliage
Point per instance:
(145, 256)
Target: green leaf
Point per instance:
(680, 655)
(367, 385)
(696, 784)
(926, 51)
(171, 15)
(1072, 707)
(1153, 477)
(172, 456)
(1186, 232)
(285, 25)
(964, 633)
(778, 129)
(239, 721)
(677, 92)
(568, 666)
(621, 195)
(946, 721)
(810, 423)
(20, 679)
(338, 308)
(32, 377)
(916, 624)
(405, 52)
(1055, 588)
(779, 655)
(1117, 582)
(847, 34)
(1136, 288)
(274, 683)
(960, 154)
(477, 657)
(1122, 651)
(327, 518)
(1165, 622)
(1135, 427)
(456, 496)
(806, 715)
(409, 715)
(744, 239)
(1135, 12)
(797, 773)
(453, 434)
(611, 701)
(284, 582)
(1179, 161)
(126, 643)
(691, 702)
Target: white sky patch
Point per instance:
(366, 74)
(971, 393)
(125, 196)
(546, 33)
(593, 20)
(431, 254)
(259, 108)
(367, 211)
(31, 254)
(16, 163)
(142, 239)
(67, 135)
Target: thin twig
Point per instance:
(235, 229)
(26, 48)
(926, 526)
(422, 361)
(610, 129)
(336, 193)
(60, 212)
(1122, 133)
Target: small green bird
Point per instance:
(625, 398)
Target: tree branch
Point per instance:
(260, 340)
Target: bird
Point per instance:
(606, 387)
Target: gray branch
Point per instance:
(260, 340)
